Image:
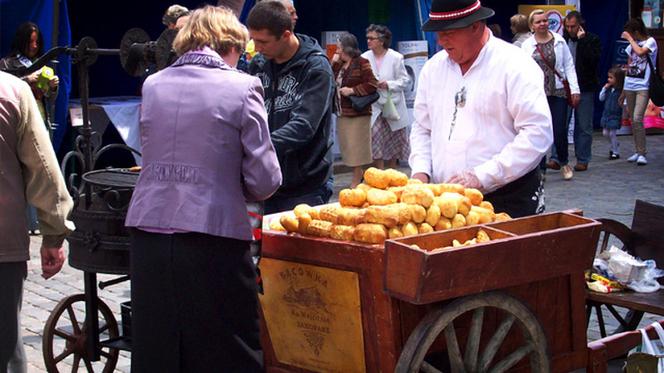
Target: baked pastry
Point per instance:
(452, 188)
(342, 232)
(417, 196)
(482, 236)
(395, 232)
(472, 218)
(329, 213)
(275, 225)
(289, 222)
(443, 224)
(386, 215)
(487, 205)
(458, 221)
(303, 222)
(433, 215)
(370, 233)
(303, 208)
(319, 228)
(474, 195)
(409, 229)
(377, 178)
(502, 216)
(381, 197)
(352, 197)
(424, 228)
(417, 213)
(397, 178)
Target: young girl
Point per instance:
(612, 114)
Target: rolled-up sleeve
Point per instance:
(260, 167)
(45, 187)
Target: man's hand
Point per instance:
(383, 85)
(581, 33)
(576, 98)
(52, 259)
(421, 176)
(53, 83)
(466, 178)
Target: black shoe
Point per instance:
(613, 155)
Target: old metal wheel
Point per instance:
(415, 353)
(63, 343)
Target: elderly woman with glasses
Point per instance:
(206, 152)
(389, 136)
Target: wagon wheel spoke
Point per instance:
(473, 342)
(77, 360)
(72, 318)
(428, 368)
(453, 351)
(63, 334)
(88, 365)
(63, 355)
(496, 340)
(103, 328)
(512, 359)
(105, 354)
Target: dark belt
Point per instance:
(518, 198)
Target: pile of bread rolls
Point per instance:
(390, 205)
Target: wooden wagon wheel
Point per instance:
(617, 234)
(441, 320)
(64, 340)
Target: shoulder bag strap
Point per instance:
(652, 67)
(547, 62)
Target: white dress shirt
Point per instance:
(502, 130)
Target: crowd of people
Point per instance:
(214, 138)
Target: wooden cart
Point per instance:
(515, 303)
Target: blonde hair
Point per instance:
(520, 23)
(214, 27)
(532, 15)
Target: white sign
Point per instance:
(415, 54)
(76, 115)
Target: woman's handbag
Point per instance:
(656, 86)
(360, 103)
(566, 87)
(389, 109)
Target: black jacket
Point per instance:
(588, 51)
(299, 102)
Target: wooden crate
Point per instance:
(521, 251)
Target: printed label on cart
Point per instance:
(313, 316)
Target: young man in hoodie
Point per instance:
(299, 94)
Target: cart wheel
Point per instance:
(441, 320)
(64, 340)
(618, 235)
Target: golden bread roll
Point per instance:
(452, 188)
(472, 218)
(386, 215)
(456, 243)
(424, 228)
(414, 181)
(443, 224)
(377, 178)
(381, 197)
(365, 205)
(397, 191)
(404, 211)
(417, 196)
(464, 205)
(275, 225)
(329, 213)
(448, 203)
(435, 188)
(363, 187)
(319, 228)
(433, 215)
(370, 233)
(397, 178)
(482, 236)
(350, 216)
(395, 232)
(474, 195)
(502, 216)
(486, 216)
(352, 197)
(458, 221)
(487, 205)
(417, 213)
(303, 222)
(289, 222)
(409, 229)
(303, 208)
(342, 232)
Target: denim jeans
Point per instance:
(558, 107)
(318, 197)
(583, 127)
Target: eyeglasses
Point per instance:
(459, 102)
(372, 38)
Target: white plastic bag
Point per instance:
(389, 109)
(638, 275)
(653, 347)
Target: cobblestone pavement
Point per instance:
(607, 189)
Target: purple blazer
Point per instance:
(206, 149)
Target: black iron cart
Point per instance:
(100, 243)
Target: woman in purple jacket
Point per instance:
(206, 151)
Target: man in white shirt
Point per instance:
(481, 115)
